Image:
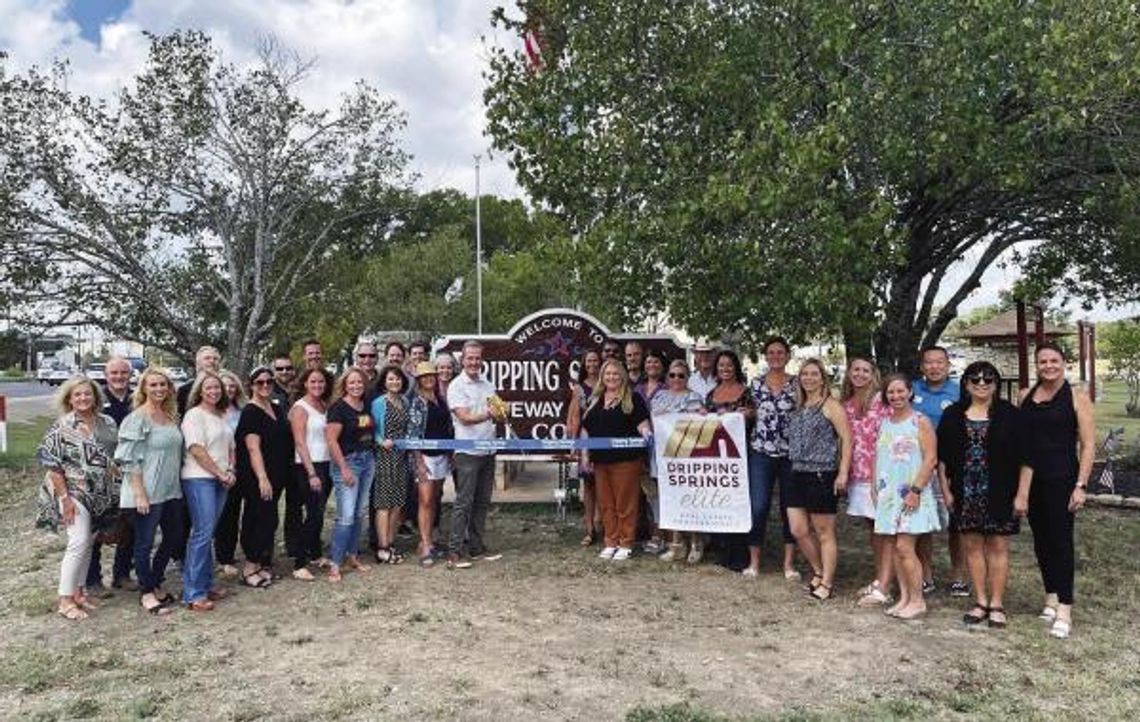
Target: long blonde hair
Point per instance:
(862, 398)
(169, 405)
(241, 399)
(625, 393)
(825, 387)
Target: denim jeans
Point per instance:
(167, 515)
(764, 472)
(351, 503)
(205, 498)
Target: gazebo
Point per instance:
(1011, 328)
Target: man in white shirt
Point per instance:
(703, 379)
(467, 396)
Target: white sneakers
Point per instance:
(617, 554)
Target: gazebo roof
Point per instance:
(1003, 327)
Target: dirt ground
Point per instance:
(550, 632)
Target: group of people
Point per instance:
(208, 463)
(912, 457)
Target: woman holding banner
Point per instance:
(819, 445)
(615, 411)
(675, 399)
(728, 396)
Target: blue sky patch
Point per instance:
(92, 14)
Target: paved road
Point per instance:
(27, 400)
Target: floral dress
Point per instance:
(973, 508)
(84, 456)
(898, 459)
(864, 433)
(773, 410)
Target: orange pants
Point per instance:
(617, 485)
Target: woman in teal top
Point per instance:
(150, 454)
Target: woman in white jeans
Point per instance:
(81, 490)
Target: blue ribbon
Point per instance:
(519, 444)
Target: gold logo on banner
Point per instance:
(700, 438)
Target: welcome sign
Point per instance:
(702, 472)
(533, 365)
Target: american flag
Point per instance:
(1111, 441)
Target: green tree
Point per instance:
(1120, 344)
(818, 167)
(195, 208)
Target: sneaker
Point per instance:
(928, 586)
(749, 573)
(622, 554)
(696, 554)
(454, 561)
(654, 546)
(607, 553)
(675, 553)
(959, 589)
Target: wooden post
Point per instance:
(1039, 327)
(1022, 348)
(1092, 361)
(1082, 350)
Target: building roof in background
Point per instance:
(1003, 327)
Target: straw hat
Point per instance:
(424, 368)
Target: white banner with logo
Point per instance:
(702, 472)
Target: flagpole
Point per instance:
(478, 252)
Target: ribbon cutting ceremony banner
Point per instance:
(702, 472)
(518, 444)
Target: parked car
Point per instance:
(53, 375)
(178, 375)
(96, 372)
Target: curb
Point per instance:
(1114, 500)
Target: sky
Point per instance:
(426, 54)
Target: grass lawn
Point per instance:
(1110, 413)
(550, 632)
(23, 438)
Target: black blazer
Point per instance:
(1005, 453)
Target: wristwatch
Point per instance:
(917, 490)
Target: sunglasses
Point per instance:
(367, 355)
(981, 379)
(282, 368)
(675, 375)
(263, 382)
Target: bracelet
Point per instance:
(915, 490)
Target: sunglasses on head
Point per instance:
(981, 379)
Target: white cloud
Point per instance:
(428, 56)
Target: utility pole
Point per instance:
(478, 252)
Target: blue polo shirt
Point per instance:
(932, 403)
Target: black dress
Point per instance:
(259, 519)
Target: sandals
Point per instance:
(1048, 614)
(388, 555)
(256, 580)
(970, 619)
(874, 598)
(818, 594)
(303, 575)
(1061, 628)
(161, 608)
(334, 574)
(792, 575)
(200, 605)
(217, 594)
(587, 540)
(72, 612)
(427, 560)
(997, 623)
(815, 581)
